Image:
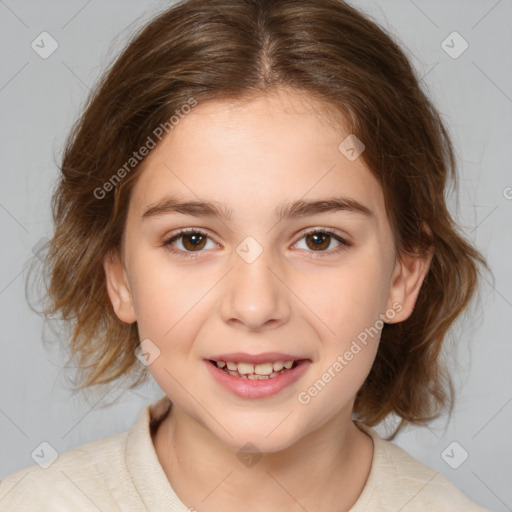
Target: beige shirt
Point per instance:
(122, 473)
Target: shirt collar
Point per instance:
(142, 461)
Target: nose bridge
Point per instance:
(254, 296)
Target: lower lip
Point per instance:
(248, 388)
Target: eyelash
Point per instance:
(344, 245)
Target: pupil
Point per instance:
(319, 240)
(193, 241)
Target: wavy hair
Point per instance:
(238, 49)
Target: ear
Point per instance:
(408, 275)
(118, 288)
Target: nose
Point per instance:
(255, 297)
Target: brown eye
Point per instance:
(193, 241)
(188, 242)
(318, 241)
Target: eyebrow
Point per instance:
(300, 208)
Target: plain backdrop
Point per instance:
(40, 98)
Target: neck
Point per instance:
(324, 470)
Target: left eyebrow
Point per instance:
(298, 208)
(302, 208)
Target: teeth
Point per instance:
(255, 372)
(245, 368)
(261, 369)
(278, 366)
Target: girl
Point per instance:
(251, 210)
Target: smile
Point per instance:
(261, 371)
(259, 380)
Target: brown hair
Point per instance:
(237, 49)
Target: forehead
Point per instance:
(254, 155)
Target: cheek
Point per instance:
(171, 306)
(349, 333)
(162, 296)
(167, 306)
(347, 299)
(345, 306)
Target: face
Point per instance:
(254, 280)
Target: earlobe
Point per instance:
(408, 276)
(118, 288)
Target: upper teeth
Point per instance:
(258, 369)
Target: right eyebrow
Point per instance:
(195, 208)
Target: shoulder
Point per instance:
(79, 478)
(398, 481)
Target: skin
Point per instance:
(253, 156)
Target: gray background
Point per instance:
(40, 99)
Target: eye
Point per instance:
(192, 240)
(320, 239)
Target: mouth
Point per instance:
(264, 377)
(259, 371)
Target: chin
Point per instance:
(257, 437)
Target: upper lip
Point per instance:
(264, 357)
